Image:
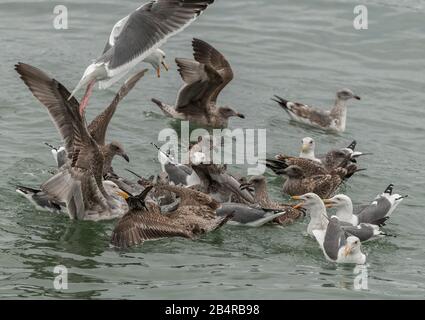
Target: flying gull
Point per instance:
(136, 38)
(332, 120)
(377, 212)
(337, 246)
(261, 197)
(194, 217)
(205, 77)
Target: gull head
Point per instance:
(227, 112)
(346, 94)
(307, 148)
(340, 201)
(156, 59)
(309, 201)
(352, 247)
(118, 149)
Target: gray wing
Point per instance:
(334, 239)
(375, 213)
(149, 27)
(99, 125)
(54, 96)
(363, 231)
(178, 174)
(242, 213)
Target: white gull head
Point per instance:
(316, 209)
(307, 149)
(156, 59)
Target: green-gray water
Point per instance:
(304, 50)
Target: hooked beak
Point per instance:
(123, 194)
(125, 156)
(328, 203)
(299, 205)
(165, 66)
(240, 115)
(357, 98)
(347, 249)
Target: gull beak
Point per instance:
(158, 72)
(123, 194)
(328, 203)
(240, 115)
(347, 250)
(304, 148)
(299, 205)
(166, 67)
(357, 98)
(125, 156)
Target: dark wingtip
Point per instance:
(352, 145)
(389, 189)
(156, 101)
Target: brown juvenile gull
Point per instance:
(261, 197)
(323, 185)
(205, 77)
(79, 183)
(136, 38)
(54, 96)
(194, 217)
(332, 120)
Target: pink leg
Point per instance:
(86, 97)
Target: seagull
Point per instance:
(205, 77)
(377, 212)
(136, 38)
(54, 96)
(194, 217)
(337, 246)
(261, 197)
(316, 209)
(331, 120)
(297, 183)
(307, 149)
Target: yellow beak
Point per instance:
(328, 203)
(158, 72)
(123, 194)
(347, 250)
(296, 198)
(304, 148)
(165, 65)
(299, 205)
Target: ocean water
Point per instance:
(303, 50)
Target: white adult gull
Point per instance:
(377, 212)
(138, 37)
(337, 246)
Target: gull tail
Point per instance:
(63, 188)
(352, 145)
(389, 189)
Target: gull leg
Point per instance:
(86, 97)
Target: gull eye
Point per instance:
(311, 142)
(356, 242)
